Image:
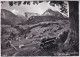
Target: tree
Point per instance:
(60, 3)
(74, 20)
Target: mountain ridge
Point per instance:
(50, 12)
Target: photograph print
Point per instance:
(39, 28)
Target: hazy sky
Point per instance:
(40, 8)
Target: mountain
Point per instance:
(48, 15)
(50, 12)
(8, 17)
(28, 14)
(5, 22)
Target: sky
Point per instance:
(40, 8)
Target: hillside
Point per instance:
(37, 19)
(5, 22)
(28, 14)
(11, 18)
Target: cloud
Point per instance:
(16, 12)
